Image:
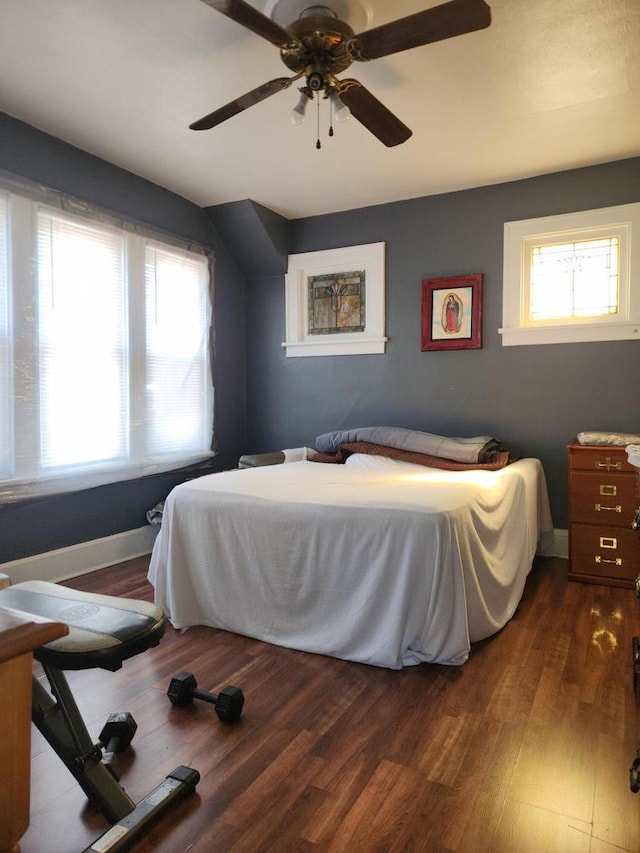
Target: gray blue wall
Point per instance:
(534, 398)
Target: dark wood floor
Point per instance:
(526, 747)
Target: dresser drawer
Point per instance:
(610, 552)
(607, 459)
(603, 498)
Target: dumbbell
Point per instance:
(117, 733)
(183, 689)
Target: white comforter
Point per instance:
(376, 561)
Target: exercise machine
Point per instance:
(104, 631)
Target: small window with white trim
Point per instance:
(568, 278)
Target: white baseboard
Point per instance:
(65, 563)
(559, 547)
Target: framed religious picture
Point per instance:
(452, 313)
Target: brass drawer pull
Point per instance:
(609, 465)
(608, 542)
(609, 491)
(600, 508)
(616, 562)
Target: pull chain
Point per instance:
(318, 145)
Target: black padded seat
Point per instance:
(103, 630)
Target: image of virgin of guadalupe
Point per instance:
(452, 314)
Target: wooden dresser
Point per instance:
(603, 497)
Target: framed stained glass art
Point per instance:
(335, 302)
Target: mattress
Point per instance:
(375, 561)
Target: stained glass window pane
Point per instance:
(574, 280)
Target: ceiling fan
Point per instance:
(318, 46)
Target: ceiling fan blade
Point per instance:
(454, 18)
(243, 102)
(373, 114)
(244, 14)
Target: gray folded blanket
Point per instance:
(471, 450)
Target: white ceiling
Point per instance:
(550, 85)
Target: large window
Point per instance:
(104, 357)
(570, 278)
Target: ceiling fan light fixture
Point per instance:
(316, 81)
(298, 113)
(341, 112)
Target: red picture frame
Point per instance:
(452, 313)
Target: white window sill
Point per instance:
(580, 332)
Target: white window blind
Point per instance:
(104, 357)
(82, 343)
(176, 370)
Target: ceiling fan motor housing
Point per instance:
(320, 49)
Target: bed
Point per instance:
(377, 560)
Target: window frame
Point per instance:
(17, 481)
(622, 221)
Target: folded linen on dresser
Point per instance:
(612, 439)
(478, 449)
(633, 454)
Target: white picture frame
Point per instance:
(301, 341)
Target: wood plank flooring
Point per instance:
(525, 748)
